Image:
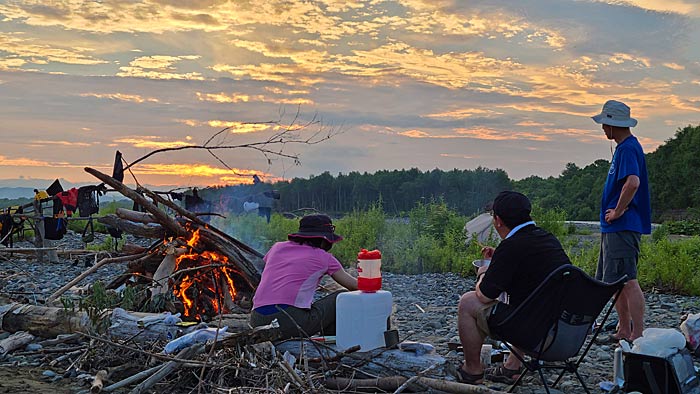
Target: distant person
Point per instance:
(526, 255)
(263, 196)
(625, 214)
(293, 270)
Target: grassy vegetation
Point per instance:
(430, 238)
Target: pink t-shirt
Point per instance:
(292, 273)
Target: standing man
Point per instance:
(625, 215)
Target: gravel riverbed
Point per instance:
(425, 307)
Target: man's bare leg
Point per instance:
(469, 334)
(630, 311)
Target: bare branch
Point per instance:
(272, 147)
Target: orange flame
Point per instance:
(199, 286)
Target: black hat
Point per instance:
(317, 226)
(513, 205)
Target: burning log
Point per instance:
(217, 274)
(165, 269)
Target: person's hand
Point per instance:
(611, 215)
(487, 252)
(482, 269)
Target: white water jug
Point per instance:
(361, 319)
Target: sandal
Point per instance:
(501, 374)
(609, 339)
(463, 377)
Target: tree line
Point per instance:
(673, 172)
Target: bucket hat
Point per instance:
(615, 113)
(317, 226)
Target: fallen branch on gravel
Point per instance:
(392, 383)
(89, 271)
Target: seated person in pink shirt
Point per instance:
(293, 270)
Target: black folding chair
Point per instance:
(552, 324)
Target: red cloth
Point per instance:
(69, 199)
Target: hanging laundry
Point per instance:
(69, 199)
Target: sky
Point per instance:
(334, 85)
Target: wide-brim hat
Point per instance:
(317, 226)
(615, 113)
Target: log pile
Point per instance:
(209, 271)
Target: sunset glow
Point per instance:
(404, 83)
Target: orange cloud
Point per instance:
(244, 98)
(134, 98)
(23, 50)
(674, 66)
(63, 143)
(151, 143)
(463, 113)
(23, 162)
(213, 175)
(485, 133)
(158, 67)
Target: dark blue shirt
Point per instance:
(627, 160)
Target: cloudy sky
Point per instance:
(396, 84)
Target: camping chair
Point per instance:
(552, 324)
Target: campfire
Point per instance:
(204, 282)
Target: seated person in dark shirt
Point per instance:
(523, 259)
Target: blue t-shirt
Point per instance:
(627, 160)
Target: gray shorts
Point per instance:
(619, 255)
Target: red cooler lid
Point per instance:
(369, 254)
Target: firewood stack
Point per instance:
(208, 271)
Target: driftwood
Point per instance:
(87, 272)
(42, 321)
(168, 368)
(135, 216)
(194, 218)
(161, 217)
(377, 362)
(132, 379)
(154, 231)
(164, 270)
(98, 381)
(392, 383)
(51, 322)
(238, 253)
(15, 341)
(46, 249)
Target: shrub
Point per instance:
(552, 220)
(671, 265)
(360, 230)
(683, 227)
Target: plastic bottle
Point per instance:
(369, 274)
(618, 370)
(198, 336)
